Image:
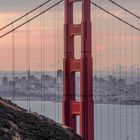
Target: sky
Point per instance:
(109, 36)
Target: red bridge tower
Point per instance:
(84, 107)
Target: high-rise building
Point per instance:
(4, 81)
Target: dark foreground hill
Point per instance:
(18, 124)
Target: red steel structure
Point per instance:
(84, 107)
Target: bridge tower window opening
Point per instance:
(77, 86)
(77, 125)
(77, 12)
(77, 47)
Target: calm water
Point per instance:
(112, 122)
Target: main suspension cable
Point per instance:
(127, 23)
(25, 15)
(31, 19)
(133, 14)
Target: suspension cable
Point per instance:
(59, 3)
(25, 15)
(124, 9)
(127, 23)
(31, 19)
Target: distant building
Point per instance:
(43, 77)
(11, 84)
(4, 81)
(112, 79)
(59, 73)
(23, 78)
(95, 78)
(16, 79)
(121, 81)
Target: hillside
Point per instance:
(18, 124)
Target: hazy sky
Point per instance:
(105, 38)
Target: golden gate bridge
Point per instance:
(119, 37)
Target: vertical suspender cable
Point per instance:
(58, 63)
(43, 60)
(28, 64)
(42, 64)
(126, 74)
(95, 68)
(29, 77)
(138, 79)
(55, 60)
(101, 122)
(55, 76)
(120, 76)
(100, 39)
(13, 64)
(132, 73)
(113, 61)
(108, 64)
(41, 55)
